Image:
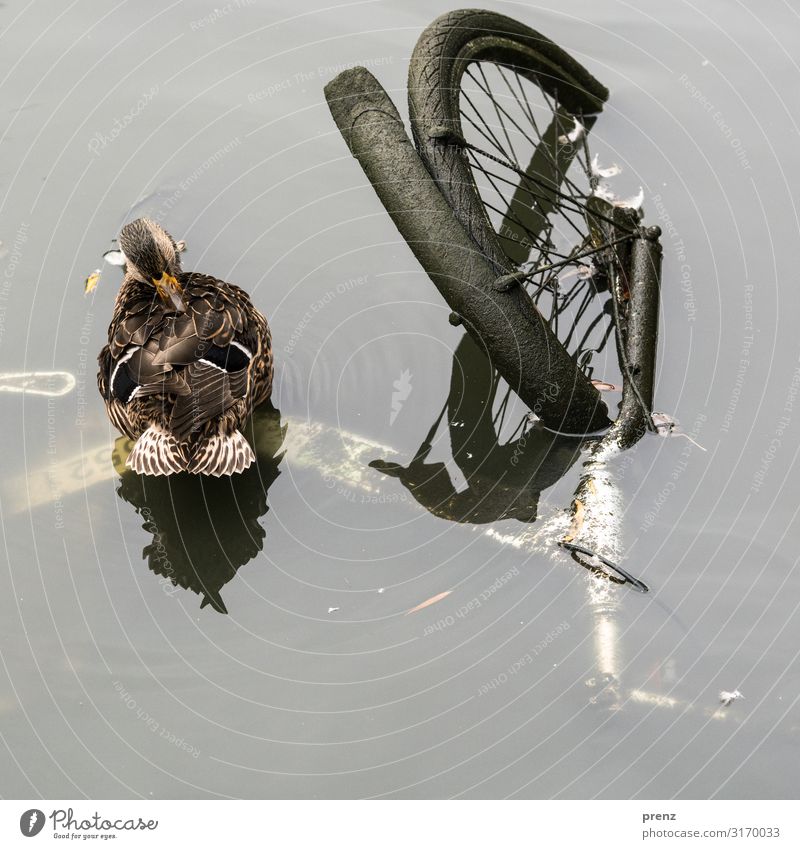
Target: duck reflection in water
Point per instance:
(205, 528)
(504, 481)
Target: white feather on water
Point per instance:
(575, 134)
(604, 192)
(597, 171)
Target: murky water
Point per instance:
(121, 675)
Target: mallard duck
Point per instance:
(188, 359)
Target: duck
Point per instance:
(188, 360)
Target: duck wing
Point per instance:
(212, 342)
(201, 355)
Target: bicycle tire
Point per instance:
(444, 55)
(499, 314)
(437, 64)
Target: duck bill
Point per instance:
(169, 290)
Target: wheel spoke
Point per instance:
(544, 207)
(498, 109)
(494, 140)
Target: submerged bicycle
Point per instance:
(510, 214)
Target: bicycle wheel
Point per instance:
(494, 309)
(501, 117)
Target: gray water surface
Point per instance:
(528, 679)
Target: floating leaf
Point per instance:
(429, 602)
(91, 282)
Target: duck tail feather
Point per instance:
(222, 454)
(156, 452)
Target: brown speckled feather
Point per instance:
(161, 350)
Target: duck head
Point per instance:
(152, 256)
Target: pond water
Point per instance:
(526, 677)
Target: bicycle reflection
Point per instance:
(504, 480)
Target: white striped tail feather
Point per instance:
(222, 454)
(156, 452)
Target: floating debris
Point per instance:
(429, 602)
(112, 257)
(634, 202)
(583, 271)
(654, 699)
(53, 384)
(90, 284)
(575, 134)
(597, 171)
(605, 193)
(726, 698)
(666, 425)
(115, 257)
(577, 521)
(638, 585)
